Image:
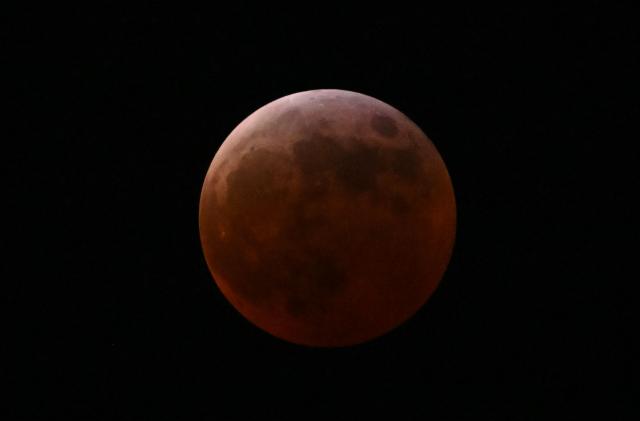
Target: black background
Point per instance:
(119, 111)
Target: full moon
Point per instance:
(327, 218)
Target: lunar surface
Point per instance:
(327, 218)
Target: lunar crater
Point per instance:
(384, 125)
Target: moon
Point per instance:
(327, 218)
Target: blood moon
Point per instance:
(327, 218)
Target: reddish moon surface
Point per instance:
(327, 218)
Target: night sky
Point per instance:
(112, 312)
